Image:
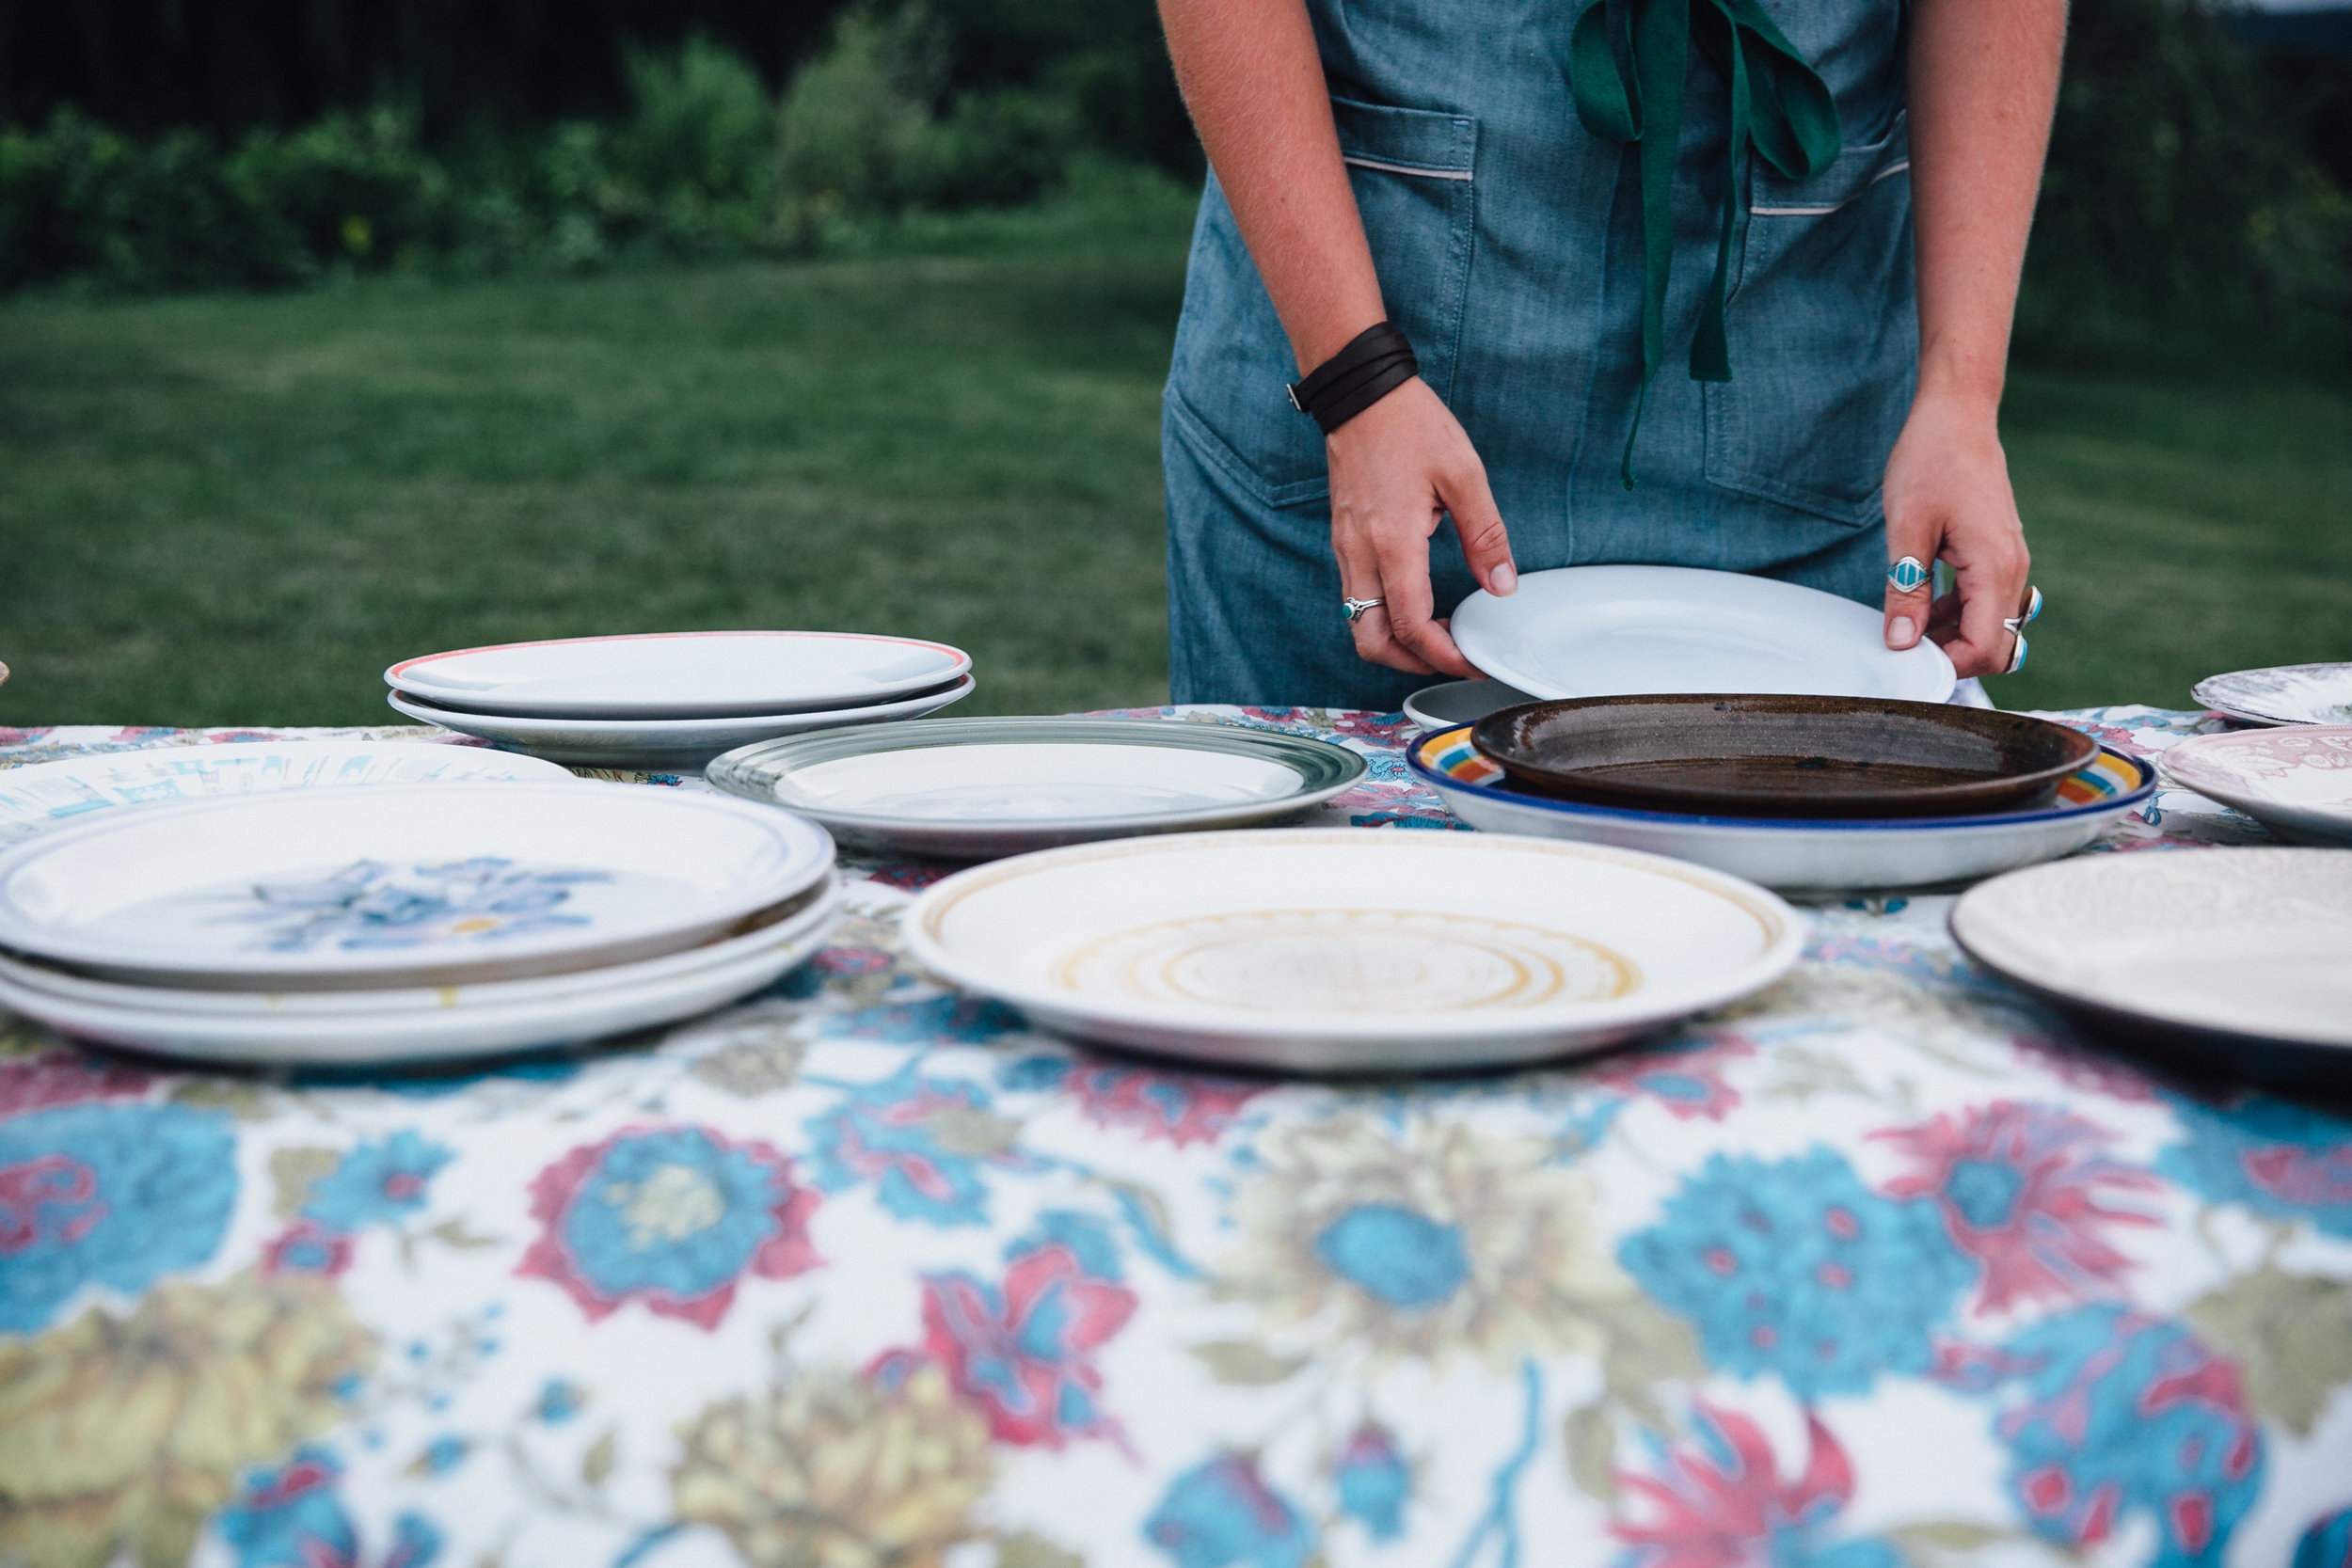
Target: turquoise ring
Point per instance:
(1909, 575)
(2014, 623)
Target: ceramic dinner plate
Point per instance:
(354, 1027)
(977, 789)
(686, 744)
(1335, 950)
(2296, 781)
(687, 674)
(1604, 632)
(2227, 945)
(406, 885)
(45, 795)
(2284, 694)
(1795, 854)
(1441, 708)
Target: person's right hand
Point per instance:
(1397, 468)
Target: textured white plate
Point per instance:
(1792, 853)
(1605, 631)
(2253, 943)
(44, 795)
(1339, 950)
(380, 1026)
(680, 743)
(2284, 694)
(686, 674)
(977, 789)
(403, 885)
(2294, 780)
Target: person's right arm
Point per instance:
(1254, 81)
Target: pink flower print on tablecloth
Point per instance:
(2026, 1190)
(673, 1217)
(1723, 1503)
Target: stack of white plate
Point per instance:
(674, 700)
(407, 922)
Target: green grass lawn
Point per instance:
(239, 509)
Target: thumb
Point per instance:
(1485, 543)
(1908, 540)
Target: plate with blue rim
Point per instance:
(1810, 855)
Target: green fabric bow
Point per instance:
(1779, 106)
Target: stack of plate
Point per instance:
(406, 921)
(674, 700)
(2284, 694)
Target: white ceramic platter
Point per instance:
(1797, 854)
(402, 885)
(978, 788)
(2297, 780)
(45, 795)
(686, 675)
(1605, 631)
(357, 1027)
(684, 744)
(1339, 950)
(2254, 943)
(2286, 694)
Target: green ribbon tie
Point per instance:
(1779, 106)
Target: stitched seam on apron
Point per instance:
(1823, 212)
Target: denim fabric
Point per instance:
(1507, 241)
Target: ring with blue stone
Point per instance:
(1909, 575)
(2017, 659)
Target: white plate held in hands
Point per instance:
(431, 884)
(1607, 631)
(1339, 950)
(681, 674)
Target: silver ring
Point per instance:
(1909, 575)
(1354, 609)
(2017, 659)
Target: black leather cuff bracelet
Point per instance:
(1376, 362)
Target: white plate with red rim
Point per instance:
(368, 1026)
(1608, 631)
(680, 675)
(43, 796)
(1342, 950)
(404, 885)
(2294, 780)
(684, 744)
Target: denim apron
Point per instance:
(1508, 242)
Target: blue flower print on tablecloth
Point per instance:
(2123, 1412)
(116, 1194)
(2328, 1544)
(1223, 1514)
(1722, 1502)
(1179, 1108)
(308, 1248)
(673, 1217)
(921, 1142)
(1794, 1268)
(2026, 1190)
(1687, 1080)
(290, 1516)
(376, 1183)
(369, 905)
(1021, 1355)
(1374, 1481)
(2281, 1161)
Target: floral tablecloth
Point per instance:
(1879, 1268)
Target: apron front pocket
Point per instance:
(1411, 171)
(1823, 330)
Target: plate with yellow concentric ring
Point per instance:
(1342, 950)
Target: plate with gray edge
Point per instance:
(979, 788)
(2282, 694)
(1441, 708)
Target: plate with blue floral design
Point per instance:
(431, 884)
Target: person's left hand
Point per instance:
(1948, 497)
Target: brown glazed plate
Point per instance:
(1759, 756)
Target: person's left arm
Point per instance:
(1983, 84)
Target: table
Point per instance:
(1879, 1268)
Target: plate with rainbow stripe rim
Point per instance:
(1795, 854)
(1337, 950)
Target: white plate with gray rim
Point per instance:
(2284, 694)
(977, 789)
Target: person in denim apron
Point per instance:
(1436, 163)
